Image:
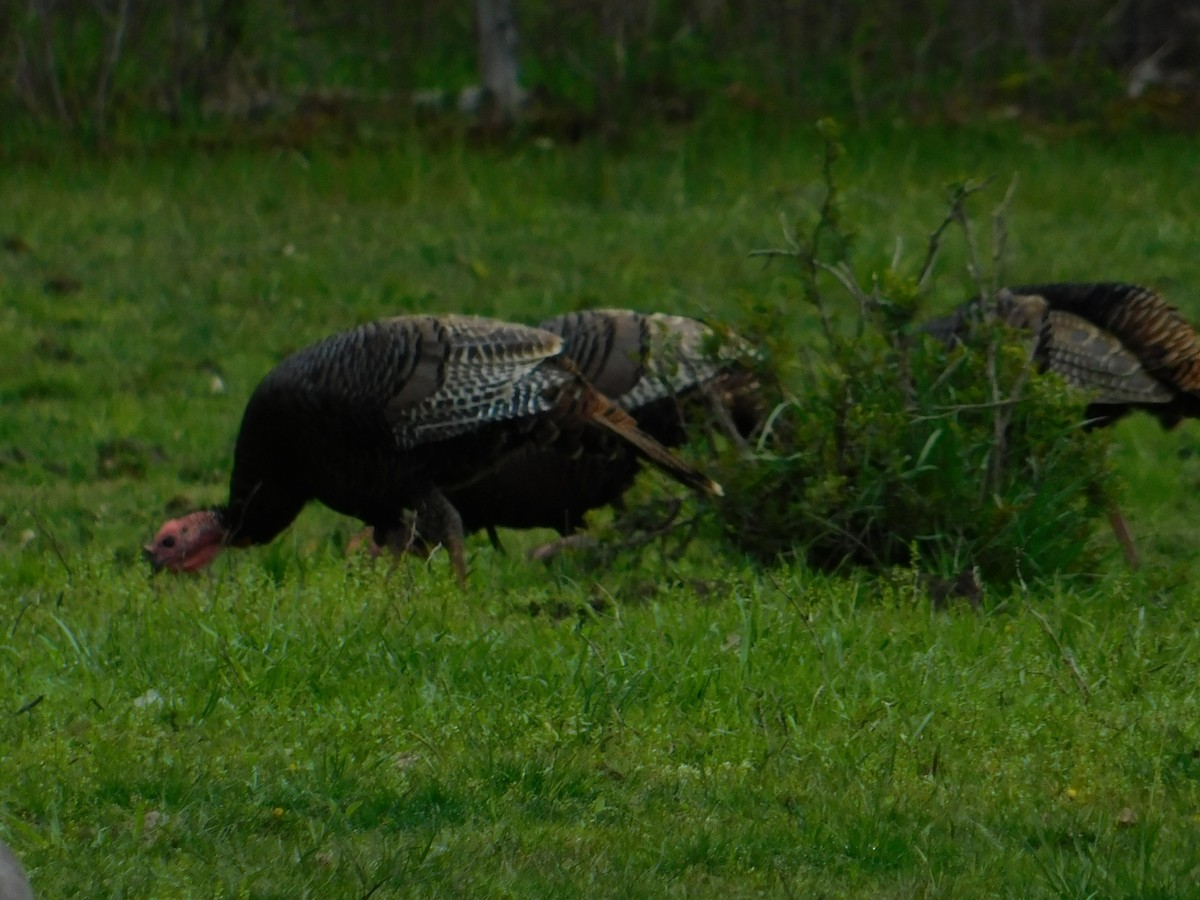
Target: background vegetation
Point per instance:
(123, 71)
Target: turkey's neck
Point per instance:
(257, 513)
(265, 490)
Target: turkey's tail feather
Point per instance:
(597, 408)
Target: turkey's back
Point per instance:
(655, 367)
(367, 421)
(1123, 345)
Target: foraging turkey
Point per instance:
(1123, 345)
(655, 366)
(389, 417)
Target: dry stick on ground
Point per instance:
(637, 538)
(1067, 656)
(54, 544)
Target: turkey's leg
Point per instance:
(495, 539)
(438, 522)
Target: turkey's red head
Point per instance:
(187, 544)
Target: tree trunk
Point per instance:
(503, 95)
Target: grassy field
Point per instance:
(295, 724)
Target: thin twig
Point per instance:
(825, 223)
(946, 373)
(1005, 409)
(30, 705)
(111, 59)
(959, 211)
(50, 60)
(1000, 233)
(845, 277)
(952, 408)
(806, 618)
(607, 681)
(720, 412)
(957, 201)
(791, 254)
(20, 615)
(54, 544)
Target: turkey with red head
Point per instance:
(389, 417)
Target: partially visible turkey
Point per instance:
(659, 368)
(390, 416)
(1123, 345)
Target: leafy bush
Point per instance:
(888, 448)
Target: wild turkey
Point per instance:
(655, 366)
(387, 417)
(1123, 345)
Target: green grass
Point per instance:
(293, 724)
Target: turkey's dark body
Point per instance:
(328, 424)
(1123, 345)
(653, 367)
(382, 419)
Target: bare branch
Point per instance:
(956, 213)
(959, 211)
(118, 23)
(1000, 233)
(42, 12)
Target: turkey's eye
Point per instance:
(168, 542)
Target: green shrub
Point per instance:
(887, 448)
